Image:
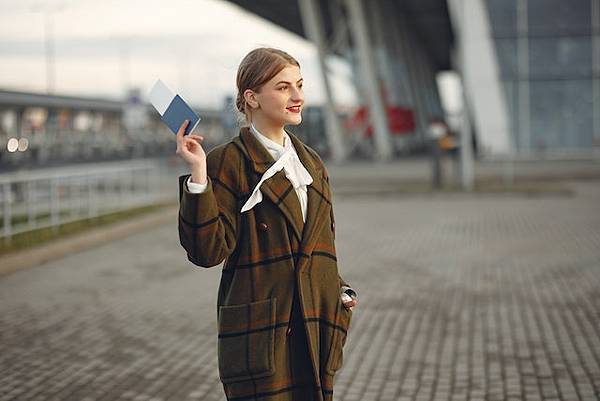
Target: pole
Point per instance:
(314, 29)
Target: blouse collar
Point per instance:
(273, 147)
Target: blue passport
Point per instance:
(177, 112)
(172, 108)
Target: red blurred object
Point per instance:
(401, 120)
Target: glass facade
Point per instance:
(548, 60)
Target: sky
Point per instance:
(104, 47)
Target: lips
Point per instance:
(294, 109)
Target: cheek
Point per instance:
(277, 104)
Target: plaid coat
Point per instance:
(279, 274)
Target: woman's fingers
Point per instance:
(194, 141)
(179, 135)
(186, 145)
(351, 304)
(181, 138)
(182, 129)
(191, 139)
(191, 143)
(189, 147)
(198, 139)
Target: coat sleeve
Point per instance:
(208, 221)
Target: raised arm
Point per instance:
(208, 220)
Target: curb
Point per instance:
(81, 241)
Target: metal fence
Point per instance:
(31, 200)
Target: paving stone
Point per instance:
(460, 297)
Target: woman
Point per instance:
(282, 316)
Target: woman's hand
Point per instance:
(350, 304)
(190, 149)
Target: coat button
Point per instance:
(263, 226)
(289, 331)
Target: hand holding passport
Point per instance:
(190, 149)
(181, 120)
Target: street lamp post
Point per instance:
(49, 43)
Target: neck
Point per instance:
(272, 131)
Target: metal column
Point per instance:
(311, 19)
(405, 40)
(366, 58)
(523, 77)
(459, 9)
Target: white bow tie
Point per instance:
(294, 171)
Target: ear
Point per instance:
(250, 98)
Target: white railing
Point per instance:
(31, 200)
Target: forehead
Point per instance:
(290, 73)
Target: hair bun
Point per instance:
(239, 103)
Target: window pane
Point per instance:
(552, 17)
(506, 50)
(560, 57)
(503, 17)
(561, 114)
(577, 112)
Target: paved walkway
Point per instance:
(420, 169)
(461, 297)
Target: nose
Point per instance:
(297, 94)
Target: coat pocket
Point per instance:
(340, 333)
(246, 341)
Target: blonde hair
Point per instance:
(258, 67)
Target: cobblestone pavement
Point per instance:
(460, 297)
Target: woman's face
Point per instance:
(281, 99)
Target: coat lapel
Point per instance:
(281, 192)
(277, 188)
(319, 198)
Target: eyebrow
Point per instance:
(286, 82)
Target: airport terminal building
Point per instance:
(548, 53)
(528, 73)
(530, 69)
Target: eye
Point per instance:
(283, 87)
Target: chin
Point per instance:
(294, 121)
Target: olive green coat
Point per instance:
(269, 253)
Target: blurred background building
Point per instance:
(548, 55)
(508, 79)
